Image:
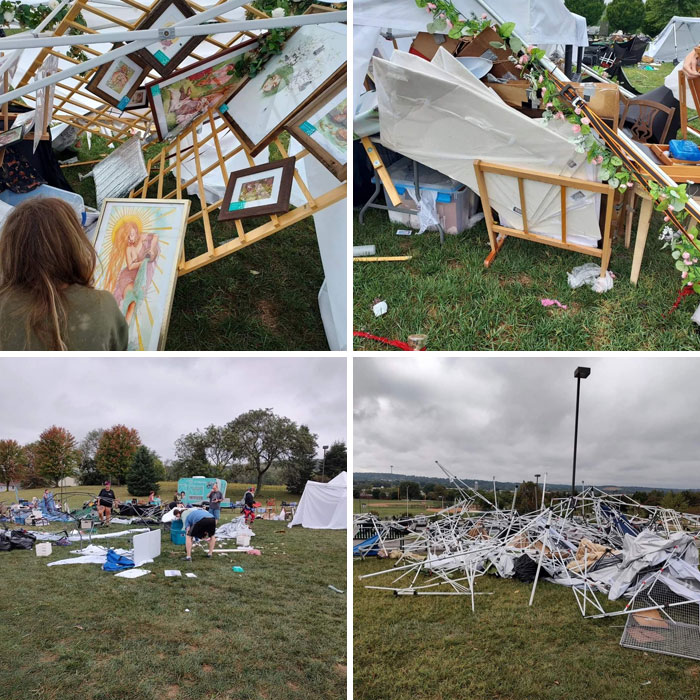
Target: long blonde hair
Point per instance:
(117, 256)
(43, 250)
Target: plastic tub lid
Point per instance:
(401, 173)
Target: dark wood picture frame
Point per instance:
(255, 148)
(147, 58)
(213, 60)
(285, 190)
(294, 127)
(94, 85)
(17, 135)
(136, 101)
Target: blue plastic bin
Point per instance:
(684, 150)
(177, 532)
(72, 198)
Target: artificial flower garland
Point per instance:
(684, 249)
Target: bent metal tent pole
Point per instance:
(539, 563)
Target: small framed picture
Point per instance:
(165, 55)
(11, 136)
(322, 128)
(260, 190)
(311, 60)
(117, 81)
(139, 100)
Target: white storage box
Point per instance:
(243, 540)
(43, 549)
(457, 206)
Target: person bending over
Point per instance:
(47, 297)
(198, 524)
(106, 500)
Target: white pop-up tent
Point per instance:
(427, 108)
(324, 506)
(676, 39)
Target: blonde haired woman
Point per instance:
(47, 297)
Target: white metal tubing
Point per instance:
(40, 28)
(544, 488)
(152, 35)
(539, 563)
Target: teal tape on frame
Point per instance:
(162, 58)
(123, 103)
(235, 206)
(308, 128)
(224, 108)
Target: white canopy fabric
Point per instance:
(676, 39)
(427, 108)
(323, 506)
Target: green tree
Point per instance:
(142, 477)
(336, 459)
(262, 439)
(302, 463)
(56, 454)
(528, 498)
(592, 10)
(32, 478)
(12, 462)
(625, 15)
(190, 456)
(88, 473)
(674, 501)
(658, 13)
(412, 488)
(116, 450)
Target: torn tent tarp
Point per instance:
(117, 562)
(425, 108)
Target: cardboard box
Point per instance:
(480, 46)
(426, 45)
(513, 92)
(604, 100)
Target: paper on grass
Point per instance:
(172, 572)
(133, 573)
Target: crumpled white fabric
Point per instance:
(589, 274)
(427, 209)
(233, 529)
(92, 554)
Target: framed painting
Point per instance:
(322, 128)
(11, 136)
(138, 244)
(262, 189)
(116, 82)
(167, 54)
(313, 58)
(139, 100)
(186, 94)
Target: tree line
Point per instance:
(256, 446)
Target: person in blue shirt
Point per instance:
(197, 523)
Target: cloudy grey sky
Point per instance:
(164, 398)
(514, 417)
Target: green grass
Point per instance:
(275, 631)
(263, 297)
(435, 648)
(446, 293)
(386, 509)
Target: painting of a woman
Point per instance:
(131, 265)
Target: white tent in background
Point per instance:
(324, 506)
(676, 39)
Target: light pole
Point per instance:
(537, 488)
(323, 472)
(579, 374)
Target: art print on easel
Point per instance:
(259, 190)
(138, 246)
(116, 82)
(139, 100)
(11, 136)
(165, 55)
(323, 129)
(311, 60)
(176, 101)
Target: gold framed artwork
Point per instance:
(322, 128)
(312, 59)
(138, 244)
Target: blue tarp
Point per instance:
(623, 525)
(49, 510)
(117, 562)
(366, 548)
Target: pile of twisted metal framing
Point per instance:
(600, 545)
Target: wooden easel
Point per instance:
(498, 233)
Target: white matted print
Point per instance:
(138, 246)
(166, 49)
(257, 189)
(120, 77)
(328, 127)
(310, 58)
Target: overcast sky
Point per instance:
(164, 398)
(639, 424)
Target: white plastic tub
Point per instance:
(43, 549)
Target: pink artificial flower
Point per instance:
(690, 284)
(559, 115)
(529, 48)
(684, 274)
(686, 254)
(541, 80)
(585, 120)
(576, 128)
(484, 16)
(666, 218)
(543, 92)
(431, 5)
(622, 187)
(523, 60)
(449, 24)
(577, 110)
(670, 207)
(694, 260)
(599, 160)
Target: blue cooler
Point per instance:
(177, 532)
(684, 150)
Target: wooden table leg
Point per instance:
(641, 239)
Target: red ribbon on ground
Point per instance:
(686, 291)
(387, 341)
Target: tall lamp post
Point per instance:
(537, 488)
(323, 471)
(579, 374)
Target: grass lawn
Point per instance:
(275, 631)
(387, 509)
(446, 293)
(435, 648)
(263, 297)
